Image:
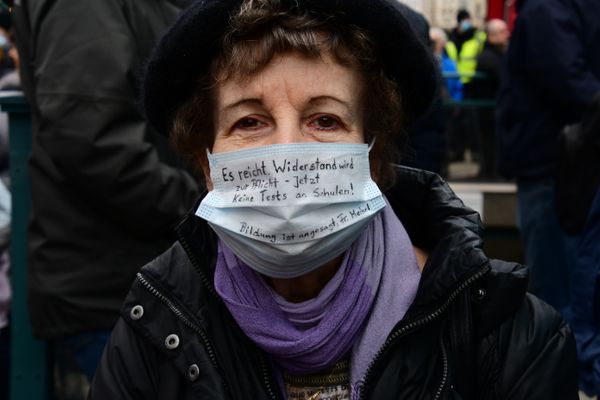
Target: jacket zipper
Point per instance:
(186, 321)
(266, 378)
(438, 393)
(263, 363)
(207, 284)
(405, 329)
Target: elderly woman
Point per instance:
(314, 268)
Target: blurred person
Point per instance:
(6, 62)
(489, 66)
(453, 84)
(578, 184)
(587, 303)
(11, 79)
(314, 267)
(8, 80)
(464, 45)
(578, 174)
(489, 62)
(551, 75)
(451, 89)
(5, 290)
(106, 187)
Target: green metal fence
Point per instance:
(30, 372)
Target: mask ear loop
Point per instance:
(371, 144)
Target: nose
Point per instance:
(286, 136)
(288, 129)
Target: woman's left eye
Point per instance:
(248, 123)
(325, 122)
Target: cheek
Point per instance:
(207, 180)
(203, 161)
(209, 184)
(375, 170)
(217, 142)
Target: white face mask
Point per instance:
(287, 209)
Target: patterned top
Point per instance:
(333, 384)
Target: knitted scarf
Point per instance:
(354, 312)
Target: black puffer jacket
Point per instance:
(106, 188)
(471, 333)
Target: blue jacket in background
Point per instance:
(552, 72)
(453, 84)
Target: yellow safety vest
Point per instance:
(466, 61)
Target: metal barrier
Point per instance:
(29, 369)
(469, 102)
(476, 103)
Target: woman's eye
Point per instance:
(248, 123)
(326, 122)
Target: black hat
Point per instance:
(192, 42)
(461, 15)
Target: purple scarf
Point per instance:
(379, 271)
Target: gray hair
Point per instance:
(438, 33)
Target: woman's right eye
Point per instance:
(248, 123)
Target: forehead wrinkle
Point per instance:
(268, 92)
(273, 87)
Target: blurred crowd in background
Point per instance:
(9, 80)
(518, 104)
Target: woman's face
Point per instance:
(294, 99)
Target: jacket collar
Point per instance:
(438, 222)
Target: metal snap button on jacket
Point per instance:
(137, 312)
(480, 294)
(193, 372)
(172, 341)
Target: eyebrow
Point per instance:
(258, 101)
(249, 101)
(320, 99)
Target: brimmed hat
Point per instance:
(191, 43)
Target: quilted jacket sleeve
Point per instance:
(128, 368)
(537, 355)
